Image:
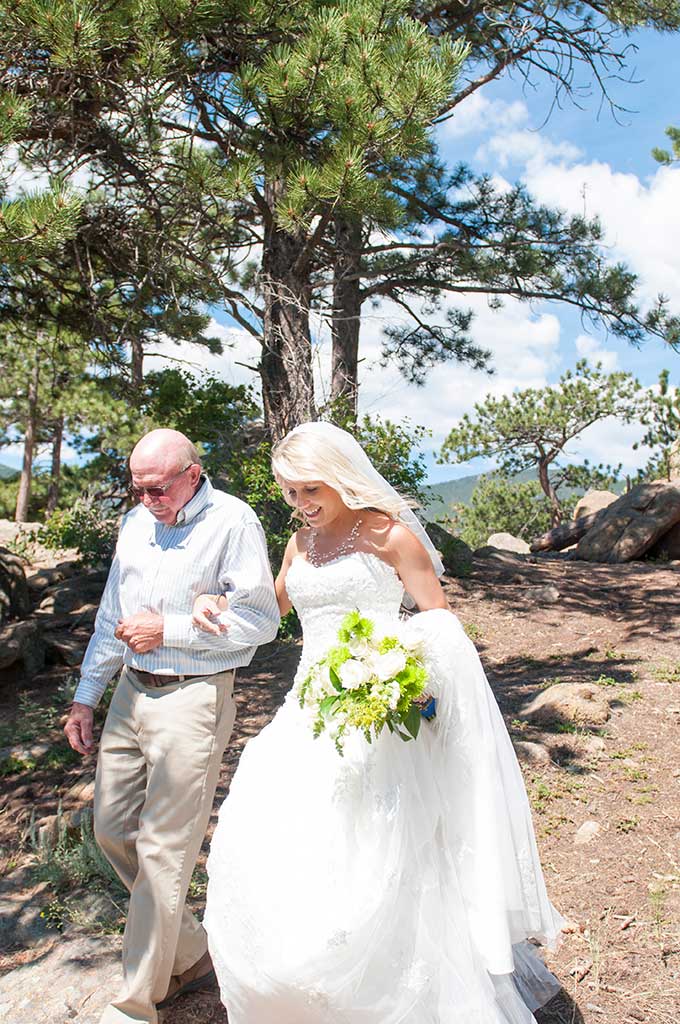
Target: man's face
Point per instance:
(172, 485)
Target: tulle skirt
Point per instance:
(399, 883)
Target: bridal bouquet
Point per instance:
(366, 682)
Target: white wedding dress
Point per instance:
(397, 884)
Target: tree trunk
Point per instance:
(137, 363)
(549, 491)
(346, 314)
(24, 495)
(286, 364)
(55, 473)
(566, 534)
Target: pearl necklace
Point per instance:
(346, 547)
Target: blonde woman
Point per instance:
(397, 884)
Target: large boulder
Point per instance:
(675, 461)
(506, 542)
(632, 524)
(22, 642)
(14, 598)
(594, 501)
(568, 704)
(668, 546)
(455, 554)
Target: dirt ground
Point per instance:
(616, 626)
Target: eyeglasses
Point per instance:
(158, 492)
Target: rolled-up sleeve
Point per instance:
(104, 656)
(252, 617)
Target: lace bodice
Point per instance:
(323, 594)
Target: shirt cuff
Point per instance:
(88, 693)
(177, 630)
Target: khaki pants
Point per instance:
(159, 761)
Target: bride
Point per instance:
(399, 883)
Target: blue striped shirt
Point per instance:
(216, 546)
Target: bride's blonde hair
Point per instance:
(303, 456)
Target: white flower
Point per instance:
(352, 674)
(412, 643)
(389, 664)
(359, 647)
(394, 695)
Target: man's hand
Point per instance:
(142, 631)
(78, 728)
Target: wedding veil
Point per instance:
(350, 448)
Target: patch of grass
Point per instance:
(473, 630)
(657, 904)
(667, 673)
(629, 696)
(634, 774)
(16, 765)
(73, 860)
(199, 884)
(541, 796)
(545, 684)
(606, 681)
(626, 825)
(518, 725)
(34, 721)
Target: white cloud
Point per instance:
(525, 147)
(241, 351)
(592, 349)
(477, 114)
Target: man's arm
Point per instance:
(252, 617)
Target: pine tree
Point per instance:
(296, 134)
(532, 427)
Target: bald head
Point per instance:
(163, 451)
(167, 462)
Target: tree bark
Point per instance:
(286, 364)
(549, 491)
(137, 363)
(24, 495)
(346, 314)
(55, 473)
(566, 534)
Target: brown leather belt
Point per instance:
(156, 679)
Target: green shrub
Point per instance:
(86, 527)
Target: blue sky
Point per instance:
(577, 156)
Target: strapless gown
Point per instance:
(399, 884)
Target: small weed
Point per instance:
(657, 903)
(629, 696)
(518, 725)
(606, 681)
(642, 799)
(541, 797)
(611, 654)
(473, 630)
(198, 885)
(626, 825)
(15, 765)
(73, 860)
(55, 914)
(634, 774)
(547, 683)
(667, 673)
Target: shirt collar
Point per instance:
(195, 505)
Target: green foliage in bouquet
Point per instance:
(364, 683)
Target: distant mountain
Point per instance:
(441, 497)
(6, 472)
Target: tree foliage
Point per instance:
(661, 416)
(532, 427)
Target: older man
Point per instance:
(172, 712)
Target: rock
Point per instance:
(83, 791)
(66, 649)
(14, 598)
(587, 831)
(632, 524)
(531, 753)
(73, 981)
(547, 594)
(568, 703)
(9, 530)
(506, 542)
(44, 578)
(20, 920)
(25, 752)
(455, 554)
(668, 546)
(510, 558)
(70, 595)
(594, 501)
(22, 641)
